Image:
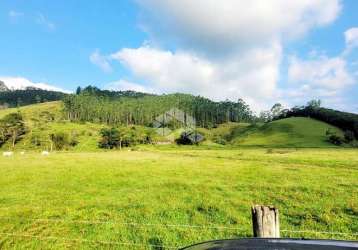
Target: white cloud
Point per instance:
(22, 83)
(351, 38)
(252, 75)
(231, 24)
(126, 85)
(322, 72)
(15, 14)
(44, 21)
(222, 49)
(101, 61)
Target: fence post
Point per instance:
(265, 221)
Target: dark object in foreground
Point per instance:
(274, 244)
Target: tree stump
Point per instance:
(265, 221)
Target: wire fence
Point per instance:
(198, 227)
(132, 245)
(137, 224)
(93, 242)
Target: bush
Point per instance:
(12, 127)
(219, 140)
(74, 138)
(125, 137)
(349, 136)
(110, 138)
(59, 140)
(335, 139)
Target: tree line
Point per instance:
(30, 95)
(134, 108)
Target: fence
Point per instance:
(265, 224)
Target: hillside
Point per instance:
(30, 95)
(47, 118)
(289, 132)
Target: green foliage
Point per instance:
(290, 132)
(16, 98)
(125, 137)
(342, 120)
(131, 108)
(276, 109)
(78, 90)
(62, 140)
(12, 127)
(111, 138)
(314, 104)
(59, 140)
(349, 136)
(333, 137)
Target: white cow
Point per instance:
(45, 153)
(7, 153)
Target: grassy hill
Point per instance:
(46, 118)
(290, 132)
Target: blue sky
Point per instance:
(263, 51)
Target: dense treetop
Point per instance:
(135, 108)
(30, 95)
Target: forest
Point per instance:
(30, 95)
(133, 108)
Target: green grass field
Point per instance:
(163, 197)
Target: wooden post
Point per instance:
(265, 221)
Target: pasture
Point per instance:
(166, 198)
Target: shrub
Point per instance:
(59, 140)
(110, 138)
(74, 138)
(348, 136)
(125, 137)
(335, 139)
(219, 140)
(12, 127)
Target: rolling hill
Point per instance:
(289, 132)
(46, 118)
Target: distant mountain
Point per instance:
(3, 87)
(29, 95)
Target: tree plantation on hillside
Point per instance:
(103, 107)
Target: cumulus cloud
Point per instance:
(252, 74)
(22, 83)
(231, 24)
(224, 49)
(322, 72)
(101, 61)
(351, 38)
